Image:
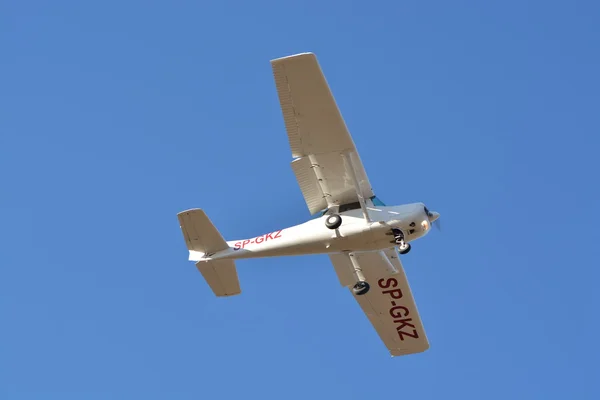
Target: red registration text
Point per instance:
(257, 240)
(399, 313)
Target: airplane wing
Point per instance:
(317, 135)
(389, 304)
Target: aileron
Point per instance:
(312, 118)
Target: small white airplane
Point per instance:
(358, 232)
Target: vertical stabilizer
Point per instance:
(203, 239)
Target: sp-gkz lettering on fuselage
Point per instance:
(362, 236)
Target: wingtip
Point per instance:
(299, 55)
(190, 210)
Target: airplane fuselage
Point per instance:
(313, 237)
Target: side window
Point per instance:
(350, 206)
(377, 202)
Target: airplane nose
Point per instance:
(433, 216)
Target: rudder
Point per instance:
(200, 234)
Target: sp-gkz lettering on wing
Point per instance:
(399, 313)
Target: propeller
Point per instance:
(434, 218)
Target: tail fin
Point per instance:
(200, 234)
(202, 238)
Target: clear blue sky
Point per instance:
(116, 115)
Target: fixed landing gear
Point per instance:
(403, 247)
(333, 221)
(361, 287)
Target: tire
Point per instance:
(333, 221)
(405, 250)
(361, 288)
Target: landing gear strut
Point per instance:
(362, 286)
(403, 247)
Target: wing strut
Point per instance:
(356, 268)
(352, 171)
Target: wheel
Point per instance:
(361, 288)
(404, 248)
(333, 221)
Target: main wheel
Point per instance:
(333, 221)
(361, 288)
(404, 248)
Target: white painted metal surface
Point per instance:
(389, 305)
(317, 131)
(331, 176)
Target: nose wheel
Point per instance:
(404, 248)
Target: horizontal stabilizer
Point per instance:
(221, 276)
(203, 239)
